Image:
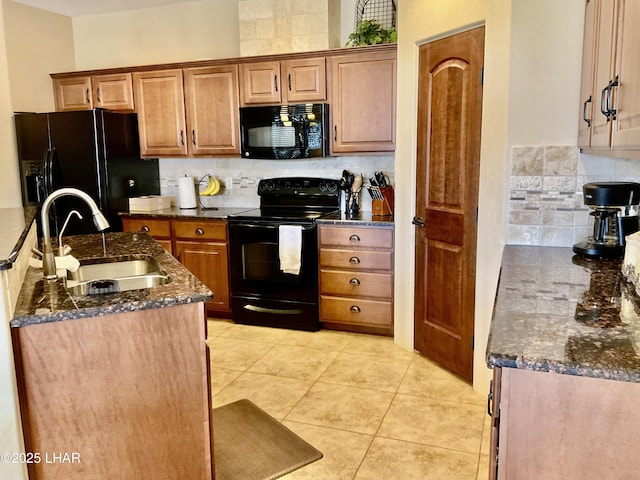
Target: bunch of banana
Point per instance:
(213, 187)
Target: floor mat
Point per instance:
(249, 444)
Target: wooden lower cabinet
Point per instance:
(200, 245)
(556, 426)
(121, 396)
(356, 277)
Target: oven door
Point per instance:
(262, 294)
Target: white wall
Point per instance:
(171, 33)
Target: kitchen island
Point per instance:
(115, 385)
(565, 348)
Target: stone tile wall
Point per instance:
(545, 205)
(285, 26)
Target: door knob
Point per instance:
(418, 221)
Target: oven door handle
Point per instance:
(268, 226)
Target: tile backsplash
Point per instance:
(545, 205)
(240, 176)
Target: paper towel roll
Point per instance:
(187, 192)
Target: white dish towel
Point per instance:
(290, 248)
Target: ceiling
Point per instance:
(74, 8)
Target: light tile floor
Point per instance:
(373, 409)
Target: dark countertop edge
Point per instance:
(562, 368)
(220, 213)
(125, 307)
(365, 220)
(29, 218)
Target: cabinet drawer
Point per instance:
(356, 311)
(198, 230)
(355, 284)
(356, 259)
(348, 236)
(154, 227)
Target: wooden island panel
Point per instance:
(128, 393)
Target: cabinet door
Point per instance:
(211, 99)
(114, 92)
(626, 132)
(72, 93)
(160, 106)
(363, 102)
(260, 83)
(604, 65)
(209, 262)
(305, 80)
(587, 97)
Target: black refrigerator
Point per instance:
(96, 151)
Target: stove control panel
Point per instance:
(295, 186)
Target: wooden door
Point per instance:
(588, 99)
(305, 80)
(72, 93)
(260, 83)
(626, 132)
(604, 65)
(114, 92)
(363, 102)
(211, 100)
(448, 160)
(160, 105)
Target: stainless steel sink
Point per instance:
(116, 274)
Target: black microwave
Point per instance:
(285, 131)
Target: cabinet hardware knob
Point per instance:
(354, 281)
(355, 260)
(490, 398)
(98, 94)
(289, 82)
(87, 96)
(193, 137)
(354, 238)
(199, 231)
(354, 309)
(181, 137)
(145, 229)
(275, 82)
(335, 133)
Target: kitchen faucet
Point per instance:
(48, 255)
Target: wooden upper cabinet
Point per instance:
(288, 81)
(72, 93)
(626, 127)
(363, 102)
(113, 92)
(211, 100)
(587, 97)
(260, 83)
(161, 116)
(305, 80)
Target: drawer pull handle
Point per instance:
(145, 229)
(354, 281)
(355, 260)
(354, 309)
(199, 231)
(354, 238)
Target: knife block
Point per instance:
(383, 207)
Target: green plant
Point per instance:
(370, 32)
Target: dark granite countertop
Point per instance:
(41, 302)
(561, 313)
(16, 223)
(190, 213)
(363, 218)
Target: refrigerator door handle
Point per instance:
(45, 174)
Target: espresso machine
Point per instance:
(614, 212)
